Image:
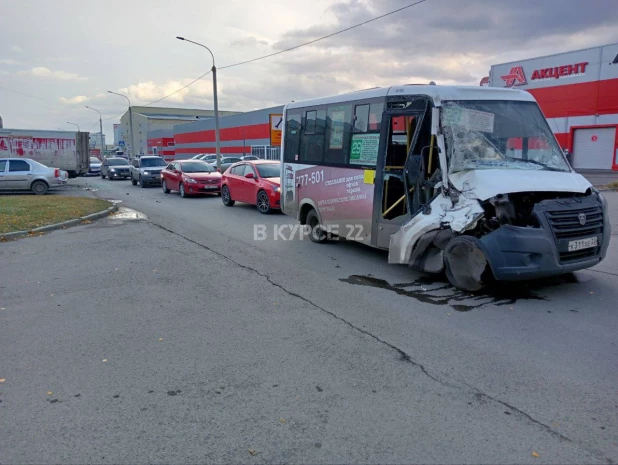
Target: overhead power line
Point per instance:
(182, 88)
(326, 36)
(293, 48)
(258, 58)
(34, 97)
(114, 117)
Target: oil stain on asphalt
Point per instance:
(436, 292)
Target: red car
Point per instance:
(256, 182)
(190, 177)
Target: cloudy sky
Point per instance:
(65, 54)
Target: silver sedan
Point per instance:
(17, 174)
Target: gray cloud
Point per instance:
(480, 26)
(449, 41)
(248, 41)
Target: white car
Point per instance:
(207, 157)
(95, 167)
(18, 174)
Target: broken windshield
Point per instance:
(481, 134)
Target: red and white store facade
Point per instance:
(578, 93)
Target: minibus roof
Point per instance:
(437, 93)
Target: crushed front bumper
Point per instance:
(518, 253)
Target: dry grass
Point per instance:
(26, 212)
(613, 185)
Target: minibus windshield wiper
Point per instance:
(535, 162)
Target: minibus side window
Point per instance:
(339, 130)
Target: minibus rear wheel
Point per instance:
(316, 234)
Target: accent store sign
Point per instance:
(517, 75)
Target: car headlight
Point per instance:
(146, 173)
(190, 180)
(113, 169)
(277, 188)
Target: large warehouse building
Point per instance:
(149, 119)
(255, 132)
(578, 93)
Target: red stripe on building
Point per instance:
(564, 140)
(257, 131)
(585, 99)
(163, 148)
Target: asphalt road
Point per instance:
(172, 336)
(600, 177)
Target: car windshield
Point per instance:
(153, 162)
(197, 167)
(269, 170)
(510, 135)
(94, 160)
(117, 162)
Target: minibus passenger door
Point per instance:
(391, 205)
(291, 152)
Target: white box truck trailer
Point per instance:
(65, 150)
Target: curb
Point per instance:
(64, 224)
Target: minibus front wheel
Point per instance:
(465, 264)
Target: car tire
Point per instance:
(316, 234)
(39, 187)
(465, 265)
(226, 197)
(263, 203)
(181, 190)
(133, 181)
(110, 177)
(164, 187)
(141, 182)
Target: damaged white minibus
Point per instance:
(469, 181)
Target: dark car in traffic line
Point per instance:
(256, 182)
(190, 177)
(115, 167)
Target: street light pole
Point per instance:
(216, 101)
(100, 128)
(78, 130)
(130, 121)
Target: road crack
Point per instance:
(604, 272)
(402, 354)
(549, 429)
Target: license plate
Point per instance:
(583, 244)
(210, 187)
